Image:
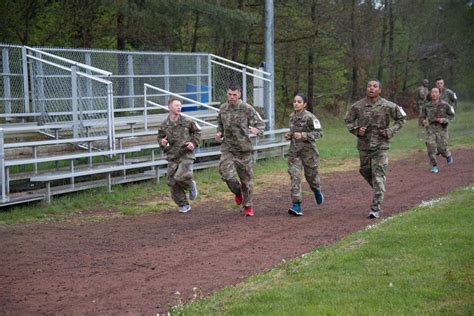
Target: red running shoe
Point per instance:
(239, 199)
(248, 211)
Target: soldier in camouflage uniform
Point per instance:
(305, 129)
(435, 117)
(369, 120)
(178, 136)
(447, 95)
(421, 94)
(236, 121)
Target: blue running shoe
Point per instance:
(434, 169)
(295, 210)
(450, 160)
(193, 193)
(319, 197)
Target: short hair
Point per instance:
(439, 78)
(376, 80)
(172, 99)
(234, 86)
(436, 89)
(302, 96)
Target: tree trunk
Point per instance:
(384, 40)
(236, 40)
(355, 83)
(391, 40)
(195, 33)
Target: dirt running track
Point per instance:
(134, 265)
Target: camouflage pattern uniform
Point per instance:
(373, 146)
(436, 132)
(303, 152)
(236, 148)
(449, 97)
(421, 95)
(180, 159)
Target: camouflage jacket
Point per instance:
(307, 124)
(432, 112)
(421, 94)
(449, 97)
(234, 122)
(376, 118)
(178, 134)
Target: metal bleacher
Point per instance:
(66, 125)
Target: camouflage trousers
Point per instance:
(373, 167)
(309, 161)
(180, 177)
(238, 163)
(436, 142)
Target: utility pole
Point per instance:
(270, 64)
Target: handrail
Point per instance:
(241, 65)
(185, 115)
(74, 63)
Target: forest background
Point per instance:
(327, 49)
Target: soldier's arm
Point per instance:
(449, 113)
(422, 117)
(351, 121)
(161, 136)
(399, 116)
(256, 121)
(195, 131)
(316, 131)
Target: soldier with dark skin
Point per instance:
(435, 117)
(178, 136)
(421, 93)
(446, 95)
(369, 120)
(305, 129)
(237, 120)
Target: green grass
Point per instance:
(420, 262)
(337, 148)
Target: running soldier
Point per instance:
(236, 121)
(446, 94)
(178, 136)
(369, 120)
(421, 93)
(435, 117)
(305, 129)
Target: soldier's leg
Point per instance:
(177, 191)
(365, 165)
(310, 161)
(379, 170)
(228, 172)
(244, 165)
(184, 173)
(442, 142)
(431, 145)
(294, 170)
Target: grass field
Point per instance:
(420, 262)
(337, 149)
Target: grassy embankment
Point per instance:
(419, 262)
(337, 149)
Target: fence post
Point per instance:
(4, 197)
(75, 120)
(33, 93)
(145, 114)
(6, 83)
(110, 116)
(131, 88)
(198, 79)
(209, 77)
(40, 84)
(167, 76)
(88, 60)
(244, 85)
(26, 89)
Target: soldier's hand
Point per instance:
(298, 135)
(288, 136)
(218, 137)
(440, 120)
(254, 130)
(386, 133)
(164, 141)
(361, 131)
(424, 123)
(190, 146)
